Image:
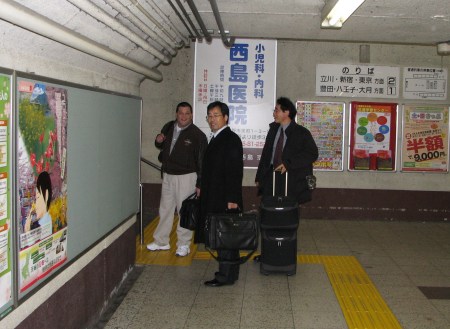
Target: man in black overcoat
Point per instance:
(299, 151)
(221, 185)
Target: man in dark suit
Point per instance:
(296, 155)
(221, 185)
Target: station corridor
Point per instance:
(350, 274)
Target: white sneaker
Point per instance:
(154, 246)
(183, 251)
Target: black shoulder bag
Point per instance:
(190, 212)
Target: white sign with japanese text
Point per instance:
(425, 83)
(243, 77)
(365, 81)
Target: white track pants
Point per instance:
(175, 188)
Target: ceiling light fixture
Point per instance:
(443, 48)
(336, 12)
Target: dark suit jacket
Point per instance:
(299, 153)
(222, 173)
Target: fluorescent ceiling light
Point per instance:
(336, 12)
(443, 48)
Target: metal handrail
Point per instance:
(153, 165)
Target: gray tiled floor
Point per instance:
(397, 256)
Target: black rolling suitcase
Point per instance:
(279, 219)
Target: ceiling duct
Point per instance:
(28, 19)
(194, 10)
(163, 40)
(199, 37)
(177, 12)
(98, 13)
(215, 9)
(170, 26)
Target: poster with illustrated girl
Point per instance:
(42, 179)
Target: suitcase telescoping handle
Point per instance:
(285, 185)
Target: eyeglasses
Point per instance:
(210, 117)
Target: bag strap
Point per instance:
(241, 260)
(192, 196)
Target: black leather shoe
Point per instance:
(215, 283)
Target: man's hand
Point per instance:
(160, 138)
(232, 205)
(281, 168)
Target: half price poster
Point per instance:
(425, 138)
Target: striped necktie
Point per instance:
(278, 150)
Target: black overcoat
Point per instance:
(299, 154)
(222, 173)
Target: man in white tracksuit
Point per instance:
(182, 147)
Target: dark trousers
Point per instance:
(228, 272)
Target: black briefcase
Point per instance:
(227, 231)
(232, 231)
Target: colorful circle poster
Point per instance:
(373, 136)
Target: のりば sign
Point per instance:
(371, 81)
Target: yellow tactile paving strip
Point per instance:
(166, 257)
(361, 303)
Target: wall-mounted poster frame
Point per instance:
(373, 136)
(242, 76)
(325, 121)
(6, 209)
(103, 141)
(42, 112)
(425, 141)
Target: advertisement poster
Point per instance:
(425, 138)
(42, 180)
(5, 197)
(373, 136)
(325, 121)
(243, 77)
